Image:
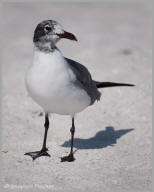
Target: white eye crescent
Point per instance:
(47, 28)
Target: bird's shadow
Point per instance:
(107, 137)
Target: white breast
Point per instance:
(49, 82)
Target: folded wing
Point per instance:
(84, 80)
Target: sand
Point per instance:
(113, 137)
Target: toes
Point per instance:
(68, 158)
(45, 154)
(36, 154)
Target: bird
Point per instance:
(58, 84)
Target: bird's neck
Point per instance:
(46, 47)
(42, 58)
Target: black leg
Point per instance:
(46, 125)
(43, 151)
(70, 157)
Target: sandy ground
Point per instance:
(113, 137)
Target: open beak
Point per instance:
(67, 35)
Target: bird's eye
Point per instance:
(47, 28)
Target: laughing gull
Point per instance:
(58, 84)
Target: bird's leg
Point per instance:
(70, 157)
(46, 125)
(43, 151)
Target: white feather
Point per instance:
(50, 82)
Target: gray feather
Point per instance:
(84, 80)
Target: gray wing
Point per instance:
(84, 79)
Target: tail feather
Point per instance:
(110, 84)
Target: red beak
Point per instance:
(67, 35)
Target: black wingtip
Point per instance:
(111, 84)
(130, 85)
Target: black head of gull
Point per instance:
(48, 33)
